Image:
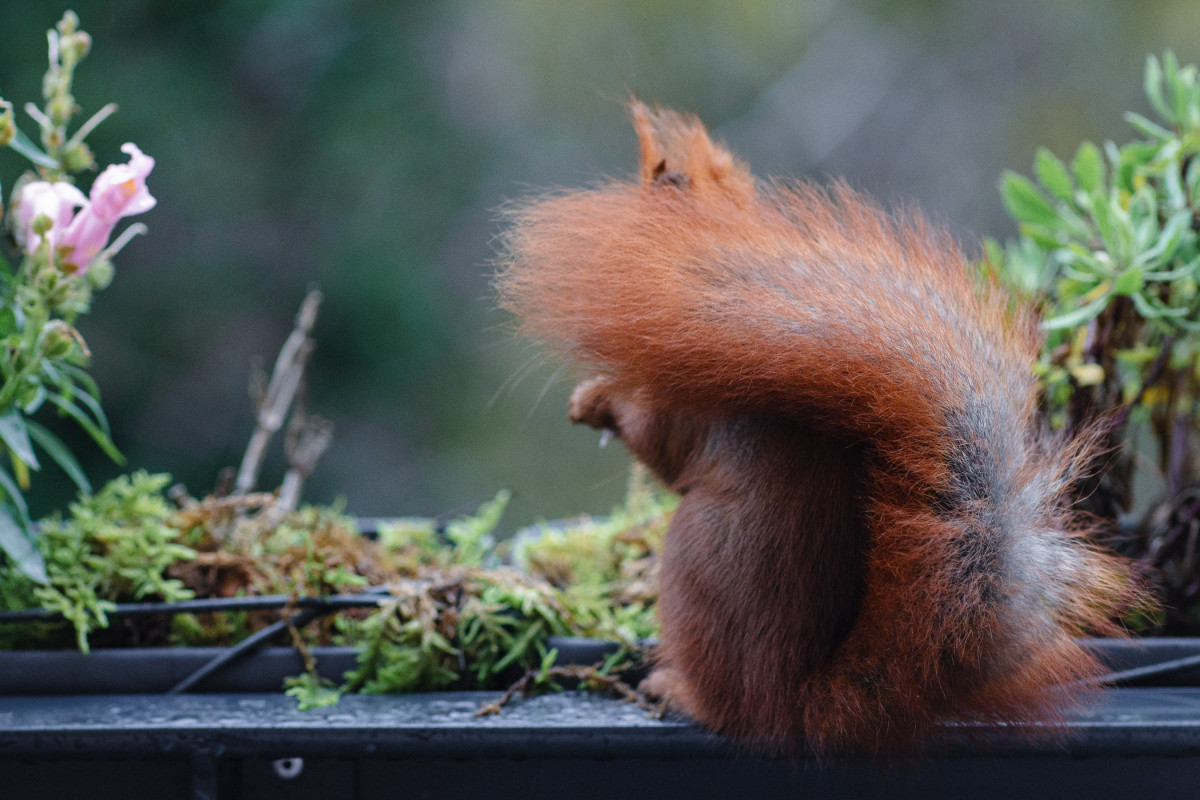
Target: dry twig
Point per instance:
(591, 677)
(274, 403)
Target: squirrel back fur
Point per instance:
(871, 537)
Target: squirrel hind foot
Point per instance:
(668, 689)
(591, 404)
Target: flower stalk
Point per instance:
(61, 250)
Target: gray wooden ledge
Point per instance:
(70, 729)
(1130, 742)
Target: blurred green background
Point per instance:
(365, 146)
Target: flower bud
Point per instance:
(100, 274)
(8, 127)
(61, 108)
(42, 224)
(51, 81)
(74, 47)
(58, 339)
(29, 303)
(77, 158)
(68, 24)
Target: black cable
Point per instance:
(245, 647)
(313, 607)
(365, 599)
(1162, 669)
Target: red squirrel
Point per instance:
(872, 536)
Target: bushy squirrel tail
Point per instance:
(704, 290)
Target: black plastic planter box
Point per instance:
(224, 743)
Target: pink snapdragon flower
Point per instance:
(119, 191)
(56, 201)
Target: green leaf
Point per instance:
(1078, 316)
(1025, 203)
(1115, 226)
(1042, 236)
(518, 648)
(1176, 88)
(16, 543)
(25, 146)
(1088, 167)
(1175, 196)
(1101, 213)
(9, 485)
(1133, 155)
(1053, 174)
(85, 422)
(93, 405)
(1146, 127)
(1153, 308)
(1168, 241)
(62, 456)
(1175, 274)
(1152, 83)
(83, 378)
(15, 435)
(1128, 282)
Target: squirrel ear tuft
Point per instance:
(675, 150)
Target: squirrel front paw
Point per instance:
(592, 404)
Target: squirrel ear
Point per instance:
(675, 150)
(651, 162)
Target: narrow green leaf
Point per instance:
(1145, 229)
(1088, 167)
(1176, 89)
(25, 146)
(519, 647)
(93, 430)
(83, 378)
(1186, 324)
(1081, 264)
(1101, 213)
(1078, 316)
(1168, 241)
(1174, 274)
(16, 543)
(1025, 203)
(93, 405)
(1172, 188)
(1152, 83)
(9, 485)
(1153, 308)
(35, 402)
(16, 437)
(1128, 282)
(1087, 274)
(1146, 127)
(61, 454)
(1115, 226)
